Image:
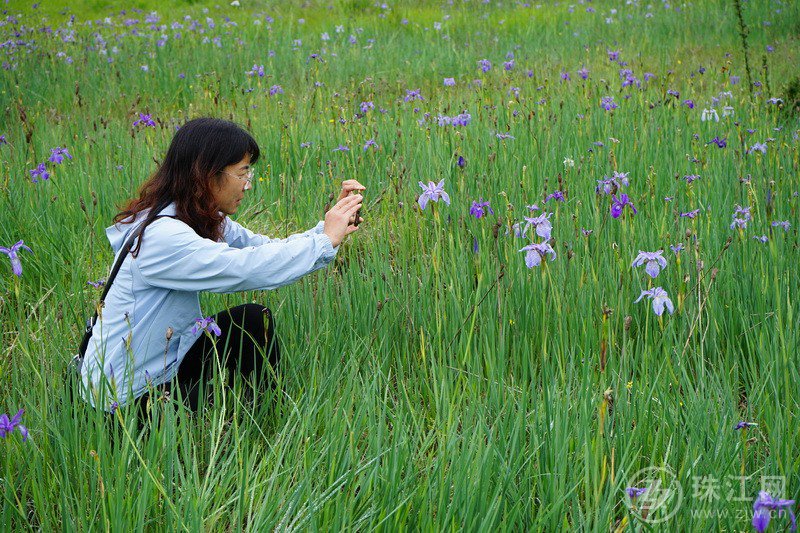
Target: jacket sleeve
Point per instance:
(173, 256)
(238, 236)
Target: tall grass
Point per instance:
(424, 384)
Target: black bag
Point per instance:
(77, 361)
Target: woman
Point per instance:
(149, 330)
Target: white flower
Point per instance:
(727, 111)
(709, 114)
(568, 163)
(235, 3)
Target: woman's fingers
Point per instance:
(349, 186)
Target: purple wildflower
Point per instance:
(57, 155)
(635, 492)
(691, 177)
(461, 162)
(412, 95)
(781, 223)
(608, 103)
(535, 253)
(613, 55)
(758, 147)
(660, 300)
(275, 89)
(762, 239)
(257, 70)
(654, 262)
(485, 65)
(8, 426)
(673, 92)
(479, 209)
(721, 143)
(366, 106)
(369, 143)
(689, 103)
(740, 223)
(541, 224)
(3, 140)
(341, 148)
(449, 82)
(432, 191)
(677, 248)
(742, 425)
(766, 503)
(583, 73)
(618, 205)
(39, 172)
(690, 214)
(145, 120)
(565, 76)
(206, 324)
(508, 65)
(558, 196)
(16, 264)
(96, 284)
(503, 136)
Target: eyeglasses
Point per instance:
(248, 177)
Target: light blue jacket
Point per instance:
(159, 289)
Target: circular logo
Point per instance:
(654, 494)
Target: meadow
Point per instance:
(570, 305)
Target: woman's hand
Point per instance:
(338, 220)
(349, 186)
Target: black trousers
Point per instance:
(248, 342)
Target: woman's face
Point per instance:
(234, 180)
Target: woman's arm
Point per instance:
(238, 236)
(173, 256)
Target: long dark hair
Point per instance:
(199, 151)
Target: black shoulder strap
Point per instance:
(126, 248)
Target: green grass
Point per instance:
(424, 385)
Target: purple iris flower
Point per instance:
(366, 106)
(485, 65)
(541, 224)
(206, 324)
(341, 148)
(39, 172)
(3, 139)
(449, 82)
(275, 89)
(740, 223)
(673, 92)
(369, 143)
(781, 223)
(461, 162)
(618, 204)
(721, 143)
(508, 65)
(742, 425)
(432, 191)
(762, 239)
(565, 76)
(660, 300)
(654, 262)
(608, 103)
(535, 253)
(635, 492)
(558, 196)
(613, 55)
(479, 209)
(689, 103)
(96, 284)
(412, 95)
(677, 248)
(145, 120)
(766, 503)
(16, 265)
(8, 426)
(504, 136)
(689, 214)
(57, 155)
(583, 73)
(758, 147)
(691, 177)
(257, 70)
